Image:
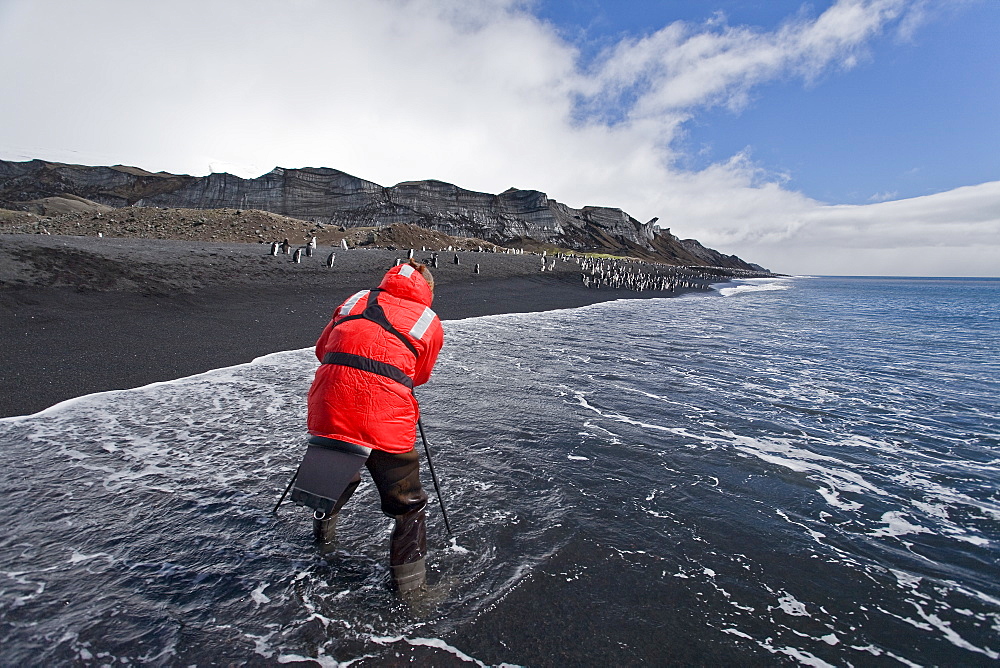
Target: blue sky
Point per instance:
(835, 137)
(917, 115)
(919, 118)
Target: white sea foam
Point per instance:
(898, 525)
(435, 643)
(322, 661)
(745, 286)
(258, 595)
(792, 606)
(77, 557)
(213, 376)
(953, 637)
(455, 547)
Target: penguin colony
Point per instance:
(640, 276)
(643, 276)
(285, 248)
(596, 273)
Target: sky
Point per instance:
(837, 137)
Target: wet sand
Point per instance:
(84, 314)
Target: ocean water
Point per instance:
(797, 471)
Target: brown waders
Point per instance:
(397, 477)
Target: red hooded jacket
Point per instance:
(350, 398)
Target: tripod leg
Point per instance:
(287, 489)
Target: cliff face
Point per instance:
(329, 196)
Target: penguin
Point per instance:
(297, 257)
(329, 260)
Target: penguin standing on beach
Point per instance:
(274, 248)
(297, 257)
(285, 246)
(330, 259)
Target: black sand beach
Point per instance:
(86, 314)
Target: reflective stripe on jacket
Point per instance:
(350, 400)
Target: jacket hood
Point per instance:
(405, 282)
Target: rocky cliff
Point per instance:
(329, 196)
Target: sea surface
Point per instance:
(793, 471)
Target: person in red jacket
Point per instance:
(378, 346)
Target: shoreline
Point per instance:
(80, 315)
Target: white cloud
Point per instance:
(960, 217)
(683, 67)
(950, 233)
(480, 94)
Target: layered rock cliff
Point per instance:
(329, 196)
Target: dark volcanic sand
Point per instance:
(83, 314)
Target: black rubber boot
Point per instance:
(407, 550)
(325, 525)
(325, 528)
